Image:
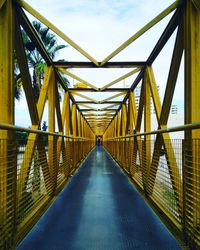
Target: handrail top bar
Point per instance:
(35, 131)
(194, 125)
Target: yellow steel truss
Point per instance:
(156, 163)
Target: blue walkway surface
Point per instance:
(99, 210)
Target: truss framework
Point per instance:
(118, 115)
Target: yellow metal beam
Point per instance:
(86, 97)
(2, 3)
(121, 78)
(74, 120)
(87, 106)
(79, 124)
(8, 152)
(43, 20)
(163, 140)
(110, 106)
(123, 120)
(192, 67)
(51, 128)
(32, 138)
(147, 128)
(142, 31)
(114, 96)
(77, 78)
(173, 75)
(6, 65)
(25, 75)
(191, 165)
(132, 112)
(67, 116)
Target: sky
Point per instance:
(99, 27)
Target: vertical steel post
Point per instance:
(192, 114)
(8, 162)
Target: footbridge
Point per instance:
(111, 169)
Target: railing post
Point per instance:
(192, 115)
(8, 160)
(184, 153)
(144, 165)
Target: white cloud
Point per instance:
(101, 26)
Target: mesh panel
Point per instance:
(157, 167)
(192, 189)
(31, 172)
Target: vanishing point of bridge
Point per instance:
(131, 177)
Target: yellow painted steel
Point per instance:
(192, 115)
(113, 96)
(84, 96)
(123, 120)
(147, 128)
(68, 125)
(74, 120)
(7, 164)
(51, 128)
(192, 65)
(79, 124)
(164, 140)
(142, 31)
(121, 78)
(32, 172)
(132, 112)
(42, 19)
(77, 78)
(7, 65)
(2, 3)
(25, 76)
(32, 140)
(87, 106)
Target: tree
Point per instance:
(34, 58)
(44, 126)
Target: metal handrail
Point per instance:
(36, 131)
(195, 125)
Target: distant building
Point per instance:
(174, 108)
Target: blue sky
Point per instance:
(99, 27)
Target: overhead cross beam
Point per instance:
(117, 65)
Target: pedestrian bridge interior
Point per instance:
(100, 176)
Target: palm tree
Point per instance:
(35, 60)
(38, 65)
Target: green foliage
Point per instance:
(21, 136)
(34, 58)
(44, 126)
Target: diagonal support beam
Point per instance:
(86, 97)
(32, 139)
(31, 32)
(77, 78)
(25, 75)
(163, 140)
(121, 78)
(2, 3)
(43, 20)
(112, 97)
(149, 25)
(165, 36)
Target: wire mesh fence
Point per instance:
(168, 172)
(32, 171)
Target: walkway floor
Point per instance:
(99, 210)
